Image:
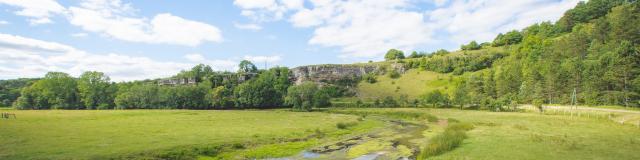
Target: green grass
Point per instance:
(413, 83)
(448, 140)
(513, 135)
(69, 134)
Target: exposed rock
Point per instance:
(334, 72)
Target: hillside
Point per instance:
(413, 83)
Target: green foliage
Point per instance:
(10, 89)
(510, 38)
(95, 89)
(473, 45)
(221, 97)
(370, 78)
(56, 90)
(599, 59)
(458, 63)
(307, 95)
(246, 66)
(415, 54)
(585, 12)
(436, 98)
(394, 54)
(266, 91)
(394, 74)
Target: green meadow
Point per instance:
(82, 134)
(191, 134)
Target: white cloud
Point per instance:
(250, 26)
(267, 10)
(364, 28)
(482, 20)
(2, 22)
(111, 18)
(367, 28)
(39, 11)
(26, 57)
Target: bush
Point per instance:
(342, 125)
(451, 138)
(394, 74)
(370, 78)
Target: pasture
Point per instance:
(86, 134)
(381, 132)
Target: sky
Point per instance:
(143, 39)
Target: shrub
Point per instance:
(343, 125)
(370, 78)
(451, 138)
(394, 74)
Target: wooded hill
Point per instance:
(591, 51)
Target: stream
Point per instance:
(397, 140)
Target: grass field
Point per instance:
(413, 84)
(514, 135)
(171, 134)
(69, 134)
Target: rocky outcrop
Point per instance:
(335, 72)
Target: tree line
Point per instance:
(247, 88)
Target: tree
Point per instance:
(95, 90)
(460, 96)
(394, 54)
(511, 37)
(246, 66)
(221, 97)
(473, 45)
(267, 90)
(414, 54)
(436, 98)
(56, 90)
(301, 96)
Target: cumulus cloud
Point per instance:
(367, 28)
(111, 18)
(26, 57)
(38, 11)
(364, 28)
(482, 20)
(267, 10)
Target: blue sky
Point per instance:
(132, 40)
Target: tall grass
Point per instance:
(389, 114)
(448, 140)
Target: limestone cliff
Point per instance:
(334, 72)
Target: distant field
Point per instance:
(80, 134)
(513, 135)
(413, 83)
